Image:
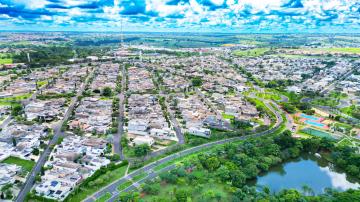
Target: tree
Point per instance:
(181, 195)
(141, 150)
(107, 92)
(238, 179)
(14, 142)
(151, 188)
(124, 142)
(196, 81)
(289, 108)
(223, 173)
(240, 124)
(16, 110)
(168, 177)
(35, 151)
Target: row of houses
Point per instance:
(71, 162)
(139, 80)
(93, 114)
(45, 110)
(106, 76)
(146, 120)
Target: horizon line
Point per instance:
(174, 32)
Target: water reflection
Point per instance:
(308, 170)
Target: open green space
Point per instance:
(16, 98)
(227, 116)
(352, 110)
(139, 177)
(210, 192)
(326, 102)
(104, 197)
(25, 164)
(42, 83)
(345, 142)
(256, 52)
(6, 61)
(124, 185)
(351, 50)
(269, 96)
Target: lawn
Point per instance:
(139, 177)
(124, 185)
(269, 96)
(326, 102)
(25, 164)
(104, 197)
(41, 83)
(256, 52)
(6, 61)
(340, 50)
(345, 142)
(16, 98)
(227, 116)
(101, 181)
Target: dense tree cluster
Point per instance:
(233, 165)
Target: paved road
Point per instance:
(112, 188)
(332, 85)
(118, 135)
(6, 122)
(175, 123)
(284, 98)
(44, 156)
(201, 94)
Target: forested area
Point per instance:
(52, 55)
(223, 174)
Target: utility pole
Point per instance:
(121, 35)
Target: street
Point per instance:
(44, 156)
(112, 188)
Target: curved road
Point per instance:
(112, 188)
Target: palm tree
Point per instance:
(307, 191)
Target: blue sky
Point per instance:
(248, 16)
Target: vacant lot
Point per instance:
(25, 164)
(6, 61)
(256, 52)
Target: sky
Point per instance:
(240, 16)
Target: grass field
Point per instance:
(104, 197)
(197, 193)
(25, 164)
(348, 50)
(16, 98)
(6, 61)
(269, 96)
(124, 185)
(341, 50)
(227, 116)
(326, 102)
(256, 52)
(41, 83)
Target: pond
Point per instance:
(308, 170)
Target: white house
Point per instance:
(138, 125)
(138, 140)
(164, 133)
(202, 132)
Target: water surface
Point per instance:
(308, 170)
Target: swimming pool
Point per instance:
(310, 117)
(313, 123)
